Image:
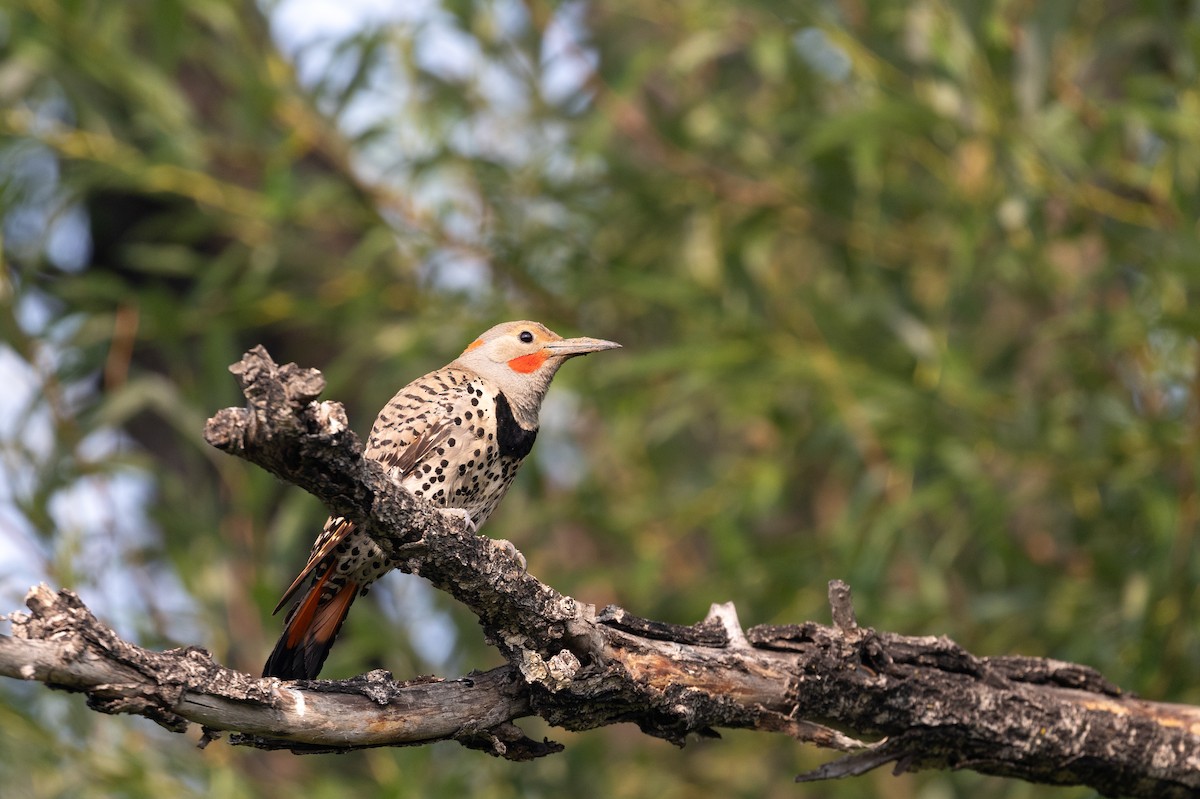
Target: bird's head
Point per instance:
(521, 359)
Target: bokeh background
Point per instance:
(906, 291)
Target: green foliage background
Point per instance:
(906, 291)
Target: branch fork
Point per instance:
(916, 702)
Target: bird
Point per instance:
(456, 437)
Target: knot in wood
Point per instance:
(553, 674)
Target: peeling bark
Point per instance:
(915, 702)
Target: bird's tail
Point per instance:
(311, 628)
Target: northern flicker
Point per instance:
(456, 437)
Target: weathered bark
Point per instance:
(926, 702)
(63, 645)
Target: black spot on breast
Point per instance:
(515, 441)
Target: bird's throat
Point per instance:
(514, 441)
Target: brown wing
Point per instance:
(400, 459)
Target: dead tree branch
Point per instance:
(923, 702)
(63, 645)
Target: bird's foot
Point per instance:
(512, 552)
(458, 514)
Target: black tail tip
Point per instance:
(301, 662)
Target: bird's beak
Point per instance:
(570, 347)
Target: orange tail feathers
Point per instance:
(311, 629)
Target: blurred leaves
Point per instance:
(907, 295)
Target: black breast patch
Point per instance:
(514, 441)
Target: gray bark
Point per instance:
(915, 702)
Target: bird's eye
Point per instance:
(526, 337)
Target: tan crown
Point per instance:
(521, 358)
